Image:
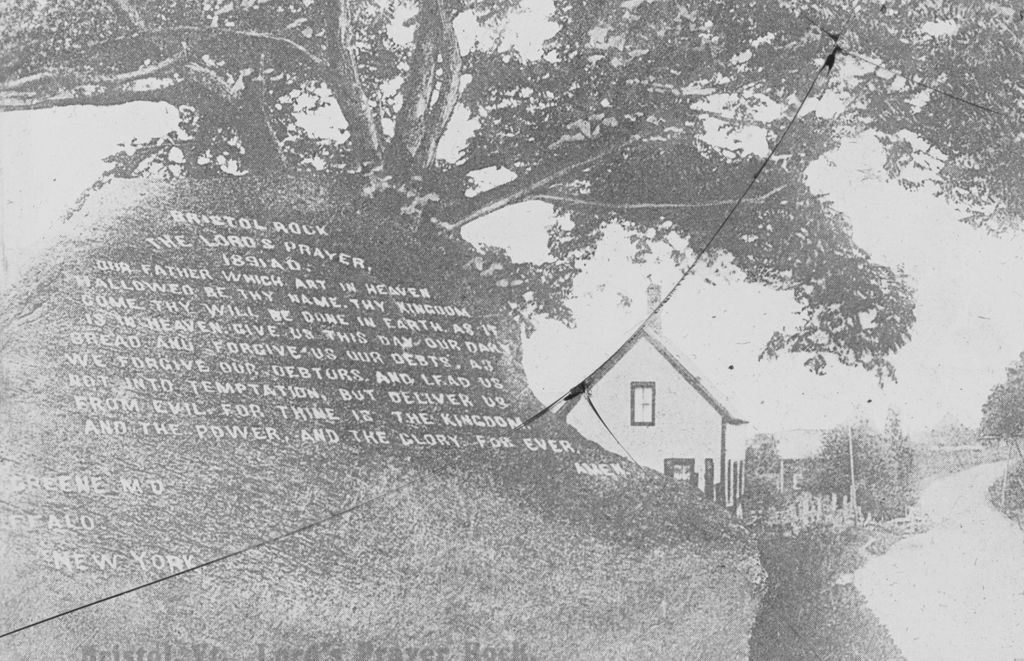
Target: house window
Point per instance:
(684, 470)
(641, 403)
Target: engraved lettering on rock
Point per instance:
(235, 330)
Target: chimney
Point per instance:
(653, 298)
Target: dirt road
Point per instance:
(956, 591)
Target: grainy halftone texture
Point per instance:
(506, 544)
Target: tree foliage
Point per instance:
(610, 123)
(762, 495)
(762, 455)
(1003, 411)
(883, 467)
(949, 431)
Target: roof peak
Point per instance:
(682, 364)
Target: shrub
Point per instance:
(807, 613)
(883, 468)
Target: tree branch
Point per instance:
(127, 13)
(245, 108)
(418, 86)
(447, 86)
(266, 38)
(562, 199)
(209, 82)
(163, 89)
(339, 72)
(70, 78)
(526, 187)
(345, 83)
(262, 150)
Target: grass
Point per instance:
(1013, 504)
(930, 463)
(810, 610)
(480, 545)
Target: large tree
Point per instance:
(609, 123)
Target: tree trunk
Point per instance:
(262, 150)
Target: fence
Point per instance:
(810, 509)
(834, 510)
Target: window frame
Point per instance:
(633, 387)
(689, 464)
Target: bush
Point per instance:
(807, 614)
(1013, 506)
(883, 468)
(1003, 413)
(761, 494)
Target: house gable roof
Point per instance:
(678, 362)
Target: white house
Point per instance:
(664, 415)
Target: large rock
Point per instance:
(208, 365)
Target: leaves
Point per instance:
(657, 71)
(1003, 411)
(882, 467)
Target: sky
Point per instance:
(969, 294)
(970, 284)
(970, 309)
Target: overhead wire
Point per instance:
(221, 558)
(913, 80)
(593, 408)
(329, 517)
(920, 83)
(582, 386)
(572, 393)
(567, 199)
(580, 389)
(586, 390)
(829, 62)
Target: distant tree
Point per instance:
(763, 454)
(897, 439)
(761, 489)
(1003, 411)
(883, 465)
(950, 431)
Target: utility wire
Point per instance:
(920, 83)
(330, 516)
(573, 393)
(826, 69)
(568, 396)
(609, 429)
(913, 80)
(601, 204)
